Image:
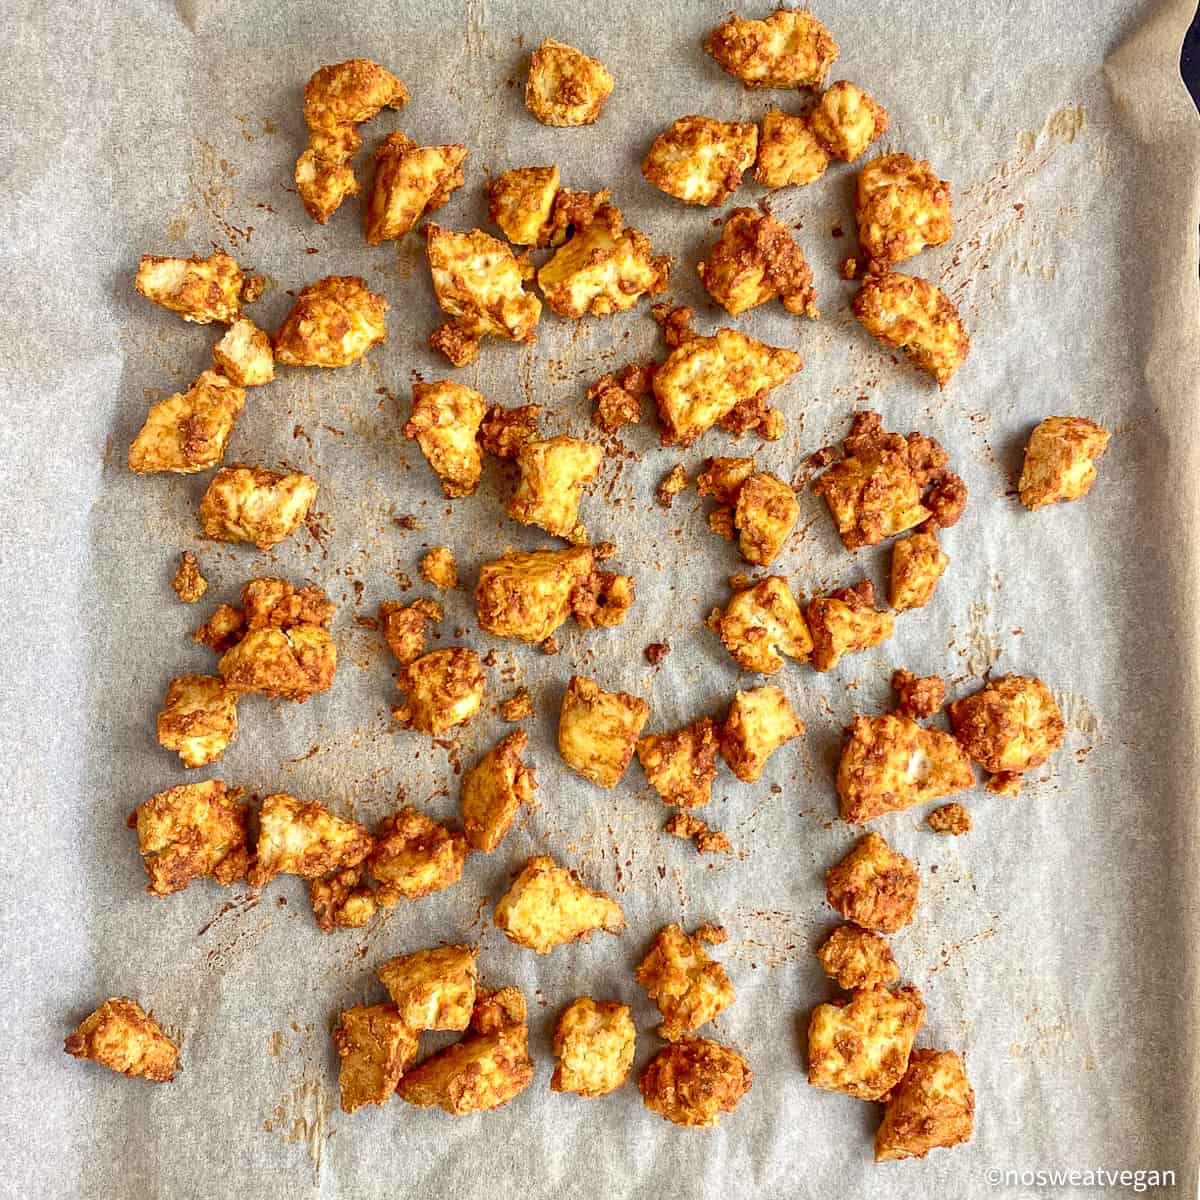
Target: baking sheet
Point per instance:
(1053, 945)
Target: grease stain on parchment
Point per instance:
(303, 1116)
(983, 649)
(1078, 716)
(210, 179)
(1047, 1035)
(772, 938)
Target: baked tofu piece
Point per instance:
(342, 900)
(1011, 725)
(520, 202)
(689, 988)
(275, 603)
(594, 1041)
(201, 290)
(333, 323)
(705, 379)
(597, 730)
(434, 988)
(844, 622)
(225, 628)
(187, 432)
(603, 599)
(553, 475)
(528, 595)
(403, 626)
(693, 1081)
(755, 260)
(1060, 460)
(198, 719)
(121, 1036)
(890, 763)
(442, 690)
(479, 282)
(438, 567)
(846, 120)
(494, 790)
(194, 831)
(617, 397)
(546, 906)
(244, 355)
(933, 1106)
(414, 856)
(950, 819)
(761, 624)
(254, 504)
(445, 421)
(788, 152)
(874, 886)
(701, 160)
(188, 584)
(861, 1046)
(305, 839)
(901, 207)
(565, 87)
(759, 722)
(410, 182)
(918, 696)
(681, 766)
(918, 562)
(374, 1047)
(857, 958)
(764, 508)
(294, 663)
(505, 430)
(789, 49)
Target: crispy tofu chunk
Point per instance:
(201, 290)
(565, 87)
(1060, 460)
(762, 623)
(693, 1081)
(415, 856)
(788, 152)
(198, 719)
(594, 1042)
(681, 766)
(603, 599)
(890, 763)
(597, 730)
(918, 696)
(341, 900)
(918, 562)
(951, 819)
(528, 596)
(254, 504)
(553, 476)
(305, 839)
(225, 628)
(932, 1106)
(121, 1036)
(434, 988)
(494, 790)
(333, 323)
(788, 49)
(874, 886)
(445, 421)
(442, 690)
(294, 663)
(187, 432)
(844, 622)
(244, 355)
(439, 568)
(759, 722)
(274, 603)
(671, 485)
(861, 1046)
(410, 182)
(755, 260)
(498, 1008)
(701, 160)
(765, 511)
(723, 478)
(194, 831)
(689, 988)
(901, 207)
(374, 1047)
(1011, 725)
(617, 397)
(857, 958)
(847, 120)
(505, 430)
(188, 584)
(546, 906)
(520, 202)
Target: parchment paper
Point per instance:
(1054, 945)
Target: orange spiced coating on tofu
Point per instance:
(305, 839)
(254, 504)
(764, 509)
(857, 958)
(844, 622)
(846, 120)
(505, 430)
(123, 1037)
(681, 766)
(374, 1047)
(1011, 725)
(194, 831)
(414, 856)
(901, 207)
(494, 790)
(341, 900)
(918, 562)
(520, 202)
(755, 260)
(950, 819)
(445, 422)
(198, 719)
(861, 1046)
(553, 474)
(403, 627)
(244, 355)
(761, 624)
(597, 730)
(200, 290)
(439, 567)
(874, 886)
(688, 986)
(565, 87)
(701, 160)
(188, 432)
(333, 323)
(788, 151)
(788, 49)
(441, 690)
(528, 595)
(603, 599)
(890, 763)
(294, 663)
(759, 722)
(932, 1107)
(918, 696)
(546, 906)
(188, 584)
(434, 988)
(225, 628)
(410, 182)
(693, 1081)
(594, 1041)
(1060, 460)
(270, 602)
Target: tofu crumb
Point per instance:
(188, 583)
(518, 706)
(707, 841)
(918, 697)
(952, 819)
(857, 958)
(671, 484)
(439, 568)
(656, 652)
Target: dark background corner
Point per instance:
(1189, 60)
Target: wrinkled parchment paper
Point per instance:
(1054, 944)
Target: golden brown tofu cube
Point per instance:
(445, 421)
(410, 182)
(188, 432)
(844, 622)
(194, 831)
(333, 323)
(693, 1081)
(374, 1047)
(1060, 460)
(294, 663)
(874, 886)
(198, 719)
(341, 900)
(438, 567)
(201, 290)
(434, 988)
(494, 790)
(442, 690)
(594, 1043)
(788, 49)
(1011, 725)
(121, 1036)
(890, 763)
(901, 207)
(788, 152)
(701, 160)
(950, 819)
(188, 584)
(597, 730)
(762, 623)
(759, 722)
(847, 120)
(689, 988)
(415, 856)
(305, 839)
(765, 514)
(918, 562)
(244, 355)
(528, 595)
(254, 504)
(520, 202)
(918, 696)
(546, 906)
(681, 766)
(932, 1106)
(754, 260)
(404, 627)
(505, 430)
(482, 1072)
(565, 87)
(861, 1046)
(857, 958)
(553, 476)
